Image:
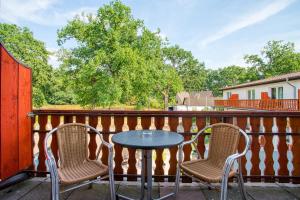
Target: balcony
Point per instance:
(272, 166)
(261, 104)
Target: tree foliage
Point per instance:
(116, 59)
(276, 58)
(227, 76)
(32, 52)
(190, 70)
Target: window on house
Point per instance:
(273, 93)
(280, 93)
(228, 95)
(277, 93)
(251, 94)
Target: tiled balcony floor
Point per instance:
(39, 189)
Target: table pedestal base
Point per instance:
(146, 156)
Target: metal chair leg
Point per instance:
(112, 186)
(177, 181)
(178, 171)
(54, 183)
(224, 188)
(143, 175)
(224, 185)
(241, 181)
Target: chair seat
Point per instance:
(204, 170)
(85, 171)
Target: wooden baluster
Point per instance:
(152, 126)
(255, 149)
(289, 143)
(295, 121)
(43, 119)
(139, 124)
(125, 152)
(35, 145)
(173, 122)
(118, 170)
(201, 123)
(112, 127)
(262, 143)
(35, 139)
(79, 119)
(106, 126)
(166, 151)
(146, 122)
(132, 171)
(55, 120)
(180, 128)
(275, 142)
(269, 149)
(194, 130)
(206, 138)
(187, 123)
(68, 119)
(283, 127)
(248, 130)
(166, 126)
(159, 170)
(93, 122)
(241, 122)
(214, 120)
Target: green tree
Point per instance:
(276, 58)
(227, 76)
(190, 70)
(116, 58)
(22, 44)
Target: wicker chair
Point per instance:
(223, 151)
(75, 167)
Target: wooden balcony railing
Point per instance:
(261, 104)
(274, 154)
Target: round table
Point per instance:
(147, 140)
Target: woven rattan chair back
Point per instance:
(72, 145)
(224, 140)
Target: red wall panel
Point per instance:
(234, 97)
(9, 115)
(25, 137)
(15, 126)
(264, 95)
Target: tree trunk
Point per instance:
(166, 101)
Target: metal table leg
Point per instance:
(147, 157)
(143, 175)
(149, 174)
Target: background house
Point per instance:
(280, 87)
(194, 101)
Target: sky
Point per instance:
(217, 32)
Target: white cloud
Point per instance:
(256, 17)
(37, 11)
(53, 59)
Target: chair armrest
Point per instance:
(49, 156)
(108, 145)
(196, 137)
(191, 142)
(230, 159)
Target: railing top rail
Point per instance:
(169, 113)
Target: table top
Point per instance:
(147, 139)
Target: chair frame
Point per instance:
(51, 163)
(227, 166)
